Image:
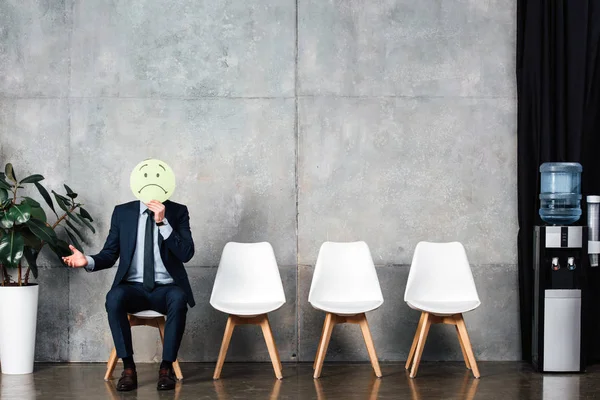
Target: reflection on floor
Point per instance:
(500, 380)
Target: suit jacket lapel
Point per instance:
(131, 225)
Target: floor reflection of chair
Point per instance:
(111, 391)
(221, 390)
(375, 383)
(467, 391)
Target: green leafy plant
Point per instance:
(25, 230)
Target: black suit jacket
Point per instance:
(177, 249)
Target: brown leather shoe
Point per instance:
(166, 379)
(128, 380)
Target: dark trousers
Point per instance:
(130, 297)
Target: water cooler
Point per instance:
(561, 261)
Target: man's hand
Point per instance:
(158, 209)
(77, 260)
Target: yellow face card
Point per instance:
(152, 180)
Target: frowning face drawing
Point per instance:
(152, 180)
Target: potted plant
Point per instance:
(24, 231)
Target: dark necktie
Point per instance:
(149, 252)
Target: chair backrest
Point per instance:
(345, 272)
(440, 272)
(247, 272)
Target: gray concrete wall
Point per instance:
(293, 122)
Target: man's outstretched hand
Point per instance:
(76, 260)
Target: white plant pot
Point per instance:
(18, 322)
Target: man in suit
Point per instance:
(151, 241)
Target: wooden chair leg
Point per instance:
(462, 330)
(411, 353)
(364, 326)
(271, 346)
(319, 346)
(177, 370)
(421, 344)
(224, 346)
(462, 348)
(160, 324)
(275, 345)
(111, 364)
(325, 337)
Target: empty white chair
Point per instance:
(345, 286)
(247, 287)
(440, 285)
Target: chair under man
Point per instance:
(440, 285)
(143, 318)
(248, 287)
(345, 287)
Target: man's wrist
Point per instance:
(165, 229)
(91, 263)
(162, 222)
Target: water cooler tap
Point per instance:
(571, 263)
(555, 264)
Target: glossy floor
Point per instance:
(500, 380)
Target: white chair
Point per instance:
(345, 286)
(247, 287)
(143, 318)
(440, 285)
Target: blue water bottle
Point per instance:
(560, 192)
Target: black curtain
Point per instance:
(558, 89)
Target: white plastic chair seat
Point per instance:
(440, 280)
(148, 314)
(346, 307)
(345, 281)
(247, 308)
(248, 281)
(443, 307)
